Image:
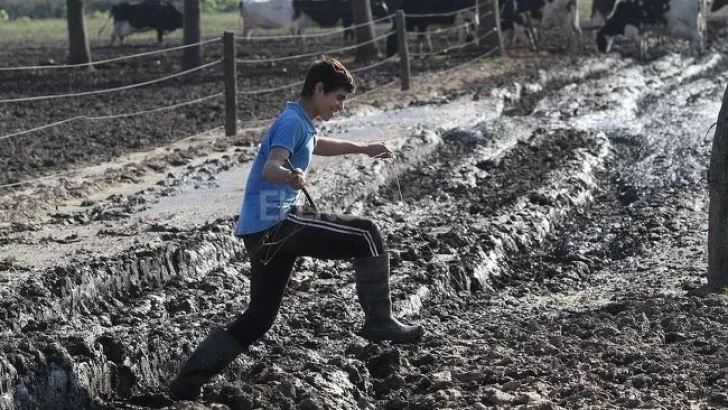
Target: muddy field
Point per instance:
(546, 216)
(85, 142)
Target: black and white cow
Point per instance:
(420, 15)
(296, 16)
(717, 5)
(631, 18)
(601, 9)
(332, 13)
(532, 17)
(130, 18)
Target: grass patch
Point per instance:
(584, 10)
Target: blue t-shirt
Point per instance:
(266, 203)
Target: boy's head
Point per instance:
(327, 85)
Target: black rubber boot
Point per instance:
(209, 359)
(372, 288)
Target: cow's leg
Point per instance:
(116, 33)
(576, 27)
(570, 28)
(420, 39)
(532, 33)
(160, 35)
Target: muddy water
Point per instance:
(547, 254)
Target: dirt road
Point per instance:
(547, 241)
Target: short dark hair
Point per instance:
(331, 73)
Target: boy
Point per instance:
(276, 231)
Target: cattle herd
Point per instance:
(526, 19)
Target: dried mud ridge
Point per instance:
(539, 264)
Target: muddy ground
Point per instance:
(85, 142)
(549, 248)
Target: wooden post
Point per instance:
(364, 33)
(78, 49)
(718, 207)
(404, 62)
(191, 56)
(490, 21)
(231, 91)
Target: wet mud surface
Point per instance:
(549, 249)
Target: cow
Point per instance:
(601, 9)
(533, 17)
(717, 5)
(255, 14)
(296, 16)
(631, 18)
(332, 13)
(130, 18)
(424, 15)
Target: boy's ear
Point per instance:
(319, 88)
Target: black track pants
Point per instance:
(273, 253)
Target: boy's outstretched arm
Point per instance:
(331, 147)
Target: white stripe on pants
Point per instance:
(334, 227)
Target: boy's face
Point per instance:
(329, 104)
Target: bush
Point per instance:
(4, 15)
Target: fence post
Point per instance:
(231, 98)
(491, 22)
(404, 62)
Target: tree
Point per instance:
(79, 52)
(192, 56)
(364, 32)
(718, 208)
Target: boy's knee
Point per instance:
(370, 226)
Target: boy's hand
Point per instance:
(377, 150)
(297, 179)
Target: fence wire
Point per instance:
(109, 117)
(455, 47)
(299, 83)
(318, 53)
(110, 60)
(110, 90)
(317, 35)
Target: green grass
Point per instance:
(584, 10)
(54, 30)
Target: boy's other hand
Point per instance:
(297, 179)
(377, 150)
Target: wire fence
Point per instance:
(308, 55)
(245, 125)
(110, 90)
(315, 35)
(474, 41)
(110, 60)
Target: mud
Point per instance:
(549, 248)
